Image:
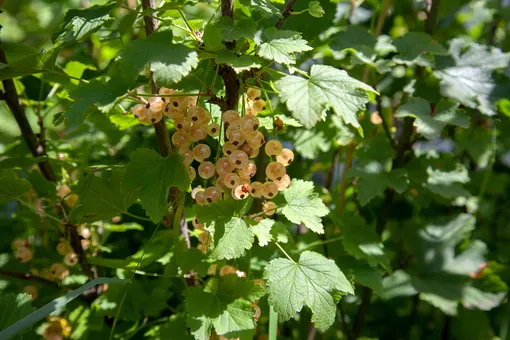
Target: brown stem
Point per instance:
(432, 16)
(382, 17)
(28, 277)
(287, 12)
(362, 313)
(349, 157)
(227, 8)
(11, 98)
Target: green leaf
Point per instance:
(223, 209)
(30, 64)
(373, 180)
(232, 30)
(473, 297)
(168, 62)
(417, 47)
(51, 307)
(231, 238)
(12, 188)
(311, 281)
(280, 46)
(13, 308)
(239, 63)
(155, 175)
(102, 197)
(448, 183)
(315, 9)
(428, 123)
(263, 231)
(361, 241)
(304, 206)
(466, 75)
(265, 7)
(79, 24)
(397, 284)
(361, 272)
(308, 99)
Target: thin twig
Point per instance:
(287, 12)
(349, 157)
(28, 277)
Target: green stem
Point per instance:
(284, 252)
(319, 243)
(136, 216)
(37, 211)
(273, 324)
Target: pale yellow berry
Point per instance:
(269, 190)
(269, 208)
(24, 254)
(253, 93)
(201, 152)
(206, 170)
(275, 171)
(231, 180)
(285, 157)
(32, 291)
(283, 183)
(273, 148)
(70, 259)
(213, 129)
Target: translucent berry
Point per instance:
(283, 183)
(19, 243)
(269, 208)
(199, 115)
(229, 116)
(241, 191)
(275, 171)
(198, 132)
(182, 123)
(180, 138)
(250, 111)
(201, 152)
(256, 189)
(249, 124)
(238, 158)
(236, 137)
(227, 270)
(255, 139)
(254, 153)
(24, 254)
(231, 180)
(259, 105)
(188, 155)
(206, 170)
(269, 190)
(200, 198)
(224, 166)
(197, 224)
(156, 104)
(140, 111)
(243, 177)
(213, 129)
(166, 91)
(249, 169)
(192, 173)
(195, 191)
(177, 103)
(202, 248)
(285, 157)
(273, 148)
(228, 148)
(71, 259)
(59, 271)
(253, 93)
(204, 237)
(32, 291)
(212, 194)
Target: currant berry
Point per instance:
(269, 190)
(213, 129)
(197, 224)
(58, 271)
(224, 166)
(227, 270)
(254, 153)
(192, 173)
(195, 191)
(253, 93)
(231, 180)
(273, 148)
(256, 189)
(243, 177)
(259, 105)
(229, 116)
(187, 154)
(180, 138)
(285, 157)
(275, 171)
(32, 291)
(204, 237)
(164, 91)
(182, 123)
(201, 152)
(199, 115)
(71, 259)
(228, 148)
(156, 104)
(206, 170)
(198, 132)
(238, 158)
(63, 248)
(241, 191)
(249, 124)
(236, 137)
(250, 111)
(249, 169)
(200, 198)
(202, 248)
(269, 208)
(255, 139)
(24, 254)
(283, 183)
(140, 111)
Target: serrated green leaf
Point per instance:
(361, 272)
(304, 206)
(310, 281)
(428, 123)
(417, 48)
(13, 308)
(154, 175)
(280, 46)
(231, 238)
(448, 183)
(473, 297)
(169, 62)
(466, 75)
(373, 180)
(30, 64)
(397, 284)
(223, 209)
(265, 7)
(12, 188)
(233, 30)
(263, 231)
(239, 63)
(315, 9)
(308, 99)
(102, 198)
(79, 24)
